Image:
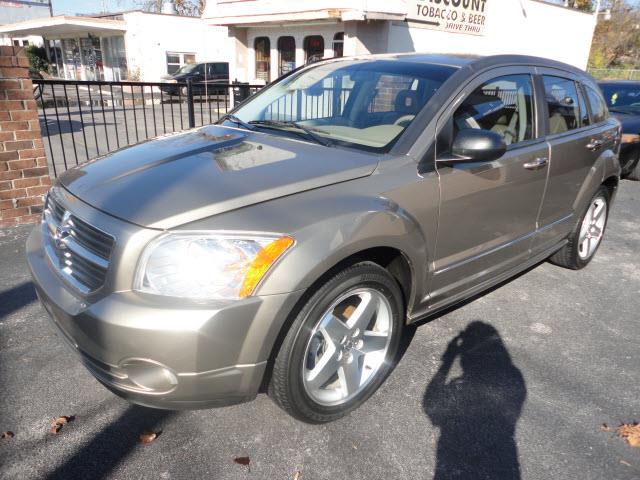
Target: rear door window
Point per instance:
(503, 105)
(563, 104)
(598, 108)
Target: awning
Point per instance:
(63, 26)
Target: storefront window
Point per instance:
(313, 48)
(115, 59)
(92, 58)
(71, 58)
(55, 55)
(175, 60)
(287, 54)
(338, 44)
(262, 47)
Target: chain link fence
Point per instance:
(615, 73)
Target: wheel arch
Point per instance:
(605, 171)
(393, 259)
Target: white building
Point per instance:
(270, 37)
(12, 11)
(124, 46)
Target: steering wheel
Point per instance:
(404, 118)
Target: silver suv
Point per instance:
(287, 248)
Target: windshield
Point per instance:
(622, 98)
(186, 69)
(359, 103)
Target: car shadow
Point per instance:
(17, 297)
(108, 448)
(476, 410)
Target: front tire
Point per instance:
(341, 346)
(586, 237)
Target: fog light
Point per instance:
(149, 375)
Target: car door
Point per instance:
(198, 78)
(488, 210)
(575, 143)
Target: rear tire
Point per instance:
(341, 346)
(587, 235)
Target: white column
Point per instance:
(274, 57)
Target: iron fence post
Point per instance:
(190, 107)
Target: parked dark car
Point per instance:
(623, 100)
(206, 78)
(290, 246)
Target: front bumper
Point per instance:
(161, 352)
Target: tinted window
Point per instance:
(622, 97)
(503, 105)
(598, 107)
(218, 68)
(563, 104)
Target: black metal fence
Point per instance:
(82, 120)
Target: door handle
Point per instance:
(537, 163)
(594, 145)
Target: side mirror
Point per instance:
(477, 145)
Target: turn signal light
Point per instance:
(266, 257)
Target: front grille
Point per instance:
(79, 251)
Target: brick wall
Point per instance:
(24, 176)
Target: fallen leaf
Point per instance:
(64, 419)
(147, 436)
(630, 433)
(243, 461)
(8, 434)
(59, 422)
(604, 427)
(296, 475)
(625, 463)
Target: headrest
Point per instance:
(407, 102)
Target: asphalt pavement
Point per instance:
(515, 384)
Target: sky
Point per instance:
(70, 7)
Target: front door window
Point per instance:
(262, 48)
(287, 55)
(313, 48)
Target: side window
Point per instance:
(198, 70)
(503, 105)
(219, 68)
(584, 112)
(563, 104)
(598, 107)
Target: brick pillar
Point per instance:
(24, 176)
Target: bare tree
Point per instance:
(187, 8)
(616, 40)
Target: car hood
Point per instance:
(180, 178)
(630, 122)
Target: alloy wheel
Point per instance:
(347, 347)
(592, 228)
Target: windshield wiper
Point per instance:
(278, 124)
(239, 121)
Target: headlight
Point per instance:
(207, 266)
(630, 138)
